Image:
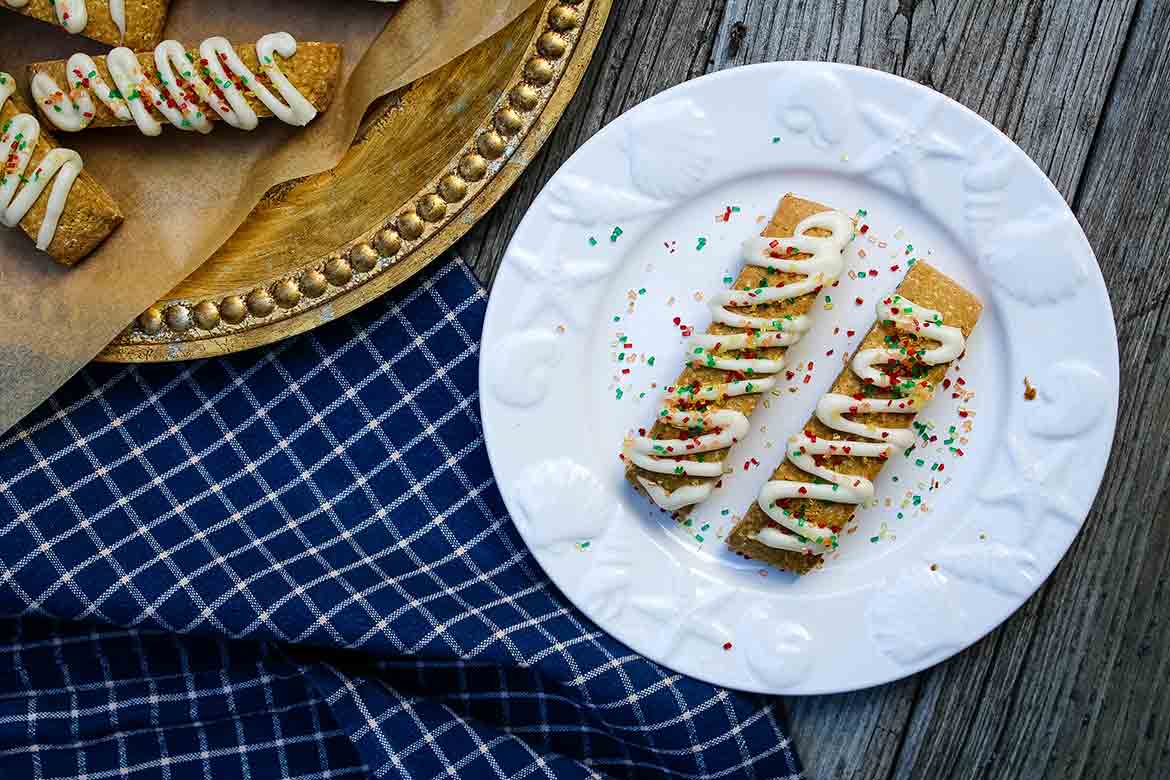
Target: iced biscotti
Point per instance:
(864, 419)
(44, 188)
(679, 459)
(189, 89)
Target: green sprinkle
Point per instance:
(619, 394)
(617, 231)
(592, 241)
(775, 139)
(702, 243)
(650, 362)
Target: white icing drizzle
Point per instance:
(19, 190)
(803, 448)
(134, 95)
(118, 15)
(71, 14)
(719, 429)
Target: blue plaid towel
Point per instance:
(294, 563)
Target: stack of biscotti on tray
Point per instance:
(45, 189)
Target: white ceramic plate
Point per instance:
(637, 222)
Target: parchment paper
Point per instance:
(184, 194)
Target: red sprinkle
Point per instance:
(859, 300)
(864, 229)
(848, 333)
(727, 645)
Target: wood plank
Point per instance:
(1112, 699)
(852, 736)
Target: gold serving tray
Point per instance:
(434, 158)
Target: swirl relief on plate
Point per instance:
(518, 368)
(669, 158)
(917, 617)
(1034, 257)
(664, 610)
(1034, 476)
(1007, 570)
(817, 105)
(1073, 398)
(778, 652)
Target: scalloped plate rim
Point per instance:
(1110, 369)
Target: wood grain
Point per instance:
(1075, 684)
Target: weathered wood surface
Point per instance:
(1077, 683)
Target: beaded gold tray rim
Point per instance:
(528, 109)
